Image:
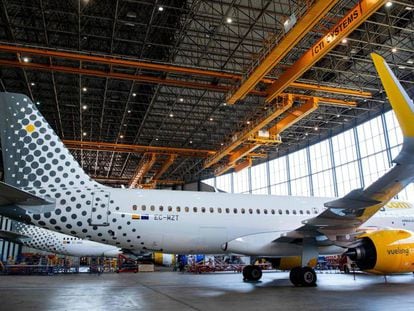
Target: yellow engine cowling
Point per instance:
(385, 252)
(288, 263)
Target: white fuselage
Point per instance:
(181, 222)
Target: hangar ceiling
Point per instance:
(139, 90)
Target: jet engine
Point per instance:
(384, 252)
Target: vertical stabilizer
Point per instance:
(33, 155)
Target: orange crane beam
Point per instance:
(244, 164)
(115, 61)
(354, 18)
(329, 89)
(143, 168)
(126, 148)
(293, 116)
(165, 167)
(240, 153)
(153, 66)
(302, 27)
(287, 102)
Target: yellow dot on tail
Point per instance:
(30, 128)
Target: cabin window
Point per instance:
(143, 207)
(187, 209)
(250, 211)
(203, 209)
(301, 212)
(227, 210)
(170, 208)
(161, 208)
(287, 212)
(273, 211)
(195, 209)
(219, 210)
(235, 210)
(178, 209)
(134, 207)
(211, 210)
(294, 212)
(152, 208)
(258, 211)
(308, 212)
(265, 211)
(243, 211)
(280, 212)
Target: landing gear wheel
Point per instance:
(303, 276)
(252, 273)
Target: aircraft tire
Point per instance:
(252, 273)
(295, 276)
(308, 277)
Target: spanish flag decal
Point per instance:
(136, 216)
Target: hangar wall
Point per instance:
(7, 249)
(332, 167)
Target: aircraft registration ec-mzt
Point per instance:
(45, 186)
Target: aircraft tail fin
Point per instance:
(33, 155)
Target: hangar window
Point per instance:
(227, 210)
(143, 207)
(250, 211)
(219, 210)
(258, 211)
(152, 208)
(170, 208)
(243, 211)
(203, 209)
(187, 209)
(265, 211)
(178, 209)
(273, 211)
(280, 212)
(195, 209)
(235, 210)
(287, 212)
(211, 210)
(161, 208)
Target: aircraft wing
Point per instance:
(12, 236)
(342, 217)
(10, 195)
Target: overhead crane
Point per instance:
(146, 163)
(127, 63)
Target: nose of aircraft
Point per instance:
(112, 252)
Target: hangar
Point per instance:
(254, 97)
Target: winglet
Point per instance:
(401, 103)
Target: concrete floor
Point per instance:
(220, 291)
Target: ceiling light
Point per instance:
(84, 133)
(211, 119)
(229, 20)
(248, 122)
(121, 136)
(26, 59)
(191, 141)
(32, 84)
(37, 103)
(401, 67)
(338, 115)
(409, 8)
(388, 4)
(171, 115)
(316, 128)
(134, 94)
(156, 139)
(410, 61)
(344, 40)
(181, 99)
(160, 8)
(224, 104)
(394, 50)
(125, 125)
(346, 119)
(84, 89)
(84, 107)
(221, 144)
(129, 111)
(306, 134)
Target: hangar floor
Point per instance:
(175, 291)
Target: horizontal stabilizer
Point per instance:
(355, 199)
(12, 236)
(10, 195)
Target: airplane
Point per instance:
(57, 243)
(45, 186)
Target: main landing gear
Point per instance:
(303, 276)
(252, 273)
